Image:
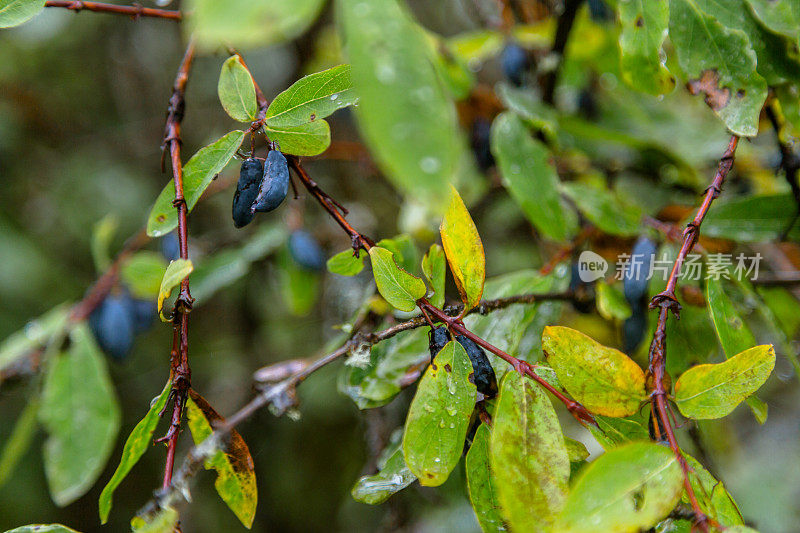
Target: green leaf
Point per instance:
(236, 90)
(464, 250)
(19, 441)
(476, 46)
(346, 264)
(535, 113)
(480, 482)
(712, 496)
(175, 273)
(312, 97)
(138, 442)
(439, 415)
(529, 176)
(752, 219)
(393, 477)
(80, 412)
(611, 432)
(733, 333)
(782, 16)
(35, 335)
(644, 28)
(102, 234)
(611, 302)
(15, 12)
(719, 63)
(629, 488)
(404, 112)
(142, 274)
(42, 528)
(404, 250)
(713, 391)
(244, 24)
(603, 209)
(198, 173)
(397, 286)
(528, 456)
(311, 138)
(299, 287)
(236, 478)
(604, 380)
(434, 266)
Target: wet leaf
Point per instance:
(464, 250)
(236, 478)
(311, 138)
(439, 415)
(397, 286)
(713, 391)
(175, 273)
(604, 210)
(138, 442)
(393, 477)
(312, 97)
(629, 488)
(604, 380)
(15, 12)
(529, 176)
(782, 16)
(528, 456)
(644, 28)
(415, 139)
(346, 264)
(434, 266)
(719, 63)
(142, 274)
(42, 528)
(80, 412)
(198, 173)
(752, 218)
(480, 482)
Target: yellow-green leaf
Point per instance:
(311, 138)
(481, 484)
(15, 12)
(439, 415)
(644, 28)
(163, 521)
(236, 478)
(345, 263)
(176, 272)
(627, 489)
(713, 391)
(397, 286)
(464, 250)
(142, 274)
(605, 380)
(313, 97)
(198, 173)
(434, 267)
(528, 456)
(139, 441)
(236, 90)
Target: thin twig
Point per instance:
(563, 29)
(134, 11)
(667, 302)
(180, 371)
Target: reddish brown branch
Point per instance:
(134, 10)
(179, 357)
(667, 302)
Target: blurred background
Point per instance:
(83, 99)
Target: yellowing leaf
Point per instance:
(528, 456)
(236, 477)
(236, 90)
(605, 380)
(713, 391)
(439, 415)
(464, 250)
(176, 272)
(481, 484)
(397, 286)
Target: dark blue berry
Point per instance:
(634, 327)
(306, 252)
(437, 339)
(113, 325)
(275, 184)
(480, 143)
(483, 373)
(250, 175)
(170, 247)
(514, 60)
(637, 271)
(582, 293)
(144, 311)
